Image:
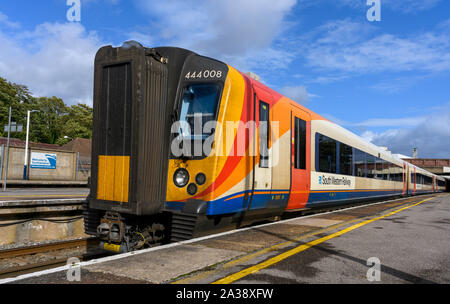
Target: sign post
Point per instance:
(11, 127)
(7, 151)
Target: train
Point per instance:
(185, 145)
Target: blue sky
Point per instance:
(387, 81)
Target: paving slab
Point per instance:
(315, 222)
(164, 265)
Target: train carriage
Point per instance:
(185, 145)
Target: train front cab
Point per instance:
(239, 186)
(254, 176)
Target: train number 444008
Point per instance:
(204, 74)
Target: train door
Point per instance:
(262, 172)
(415, 181)
(405, 182)
(300, 159)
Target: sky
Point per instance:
(387, 81)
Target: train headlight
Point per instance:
(200, 178)
(181, 177)
(192, 189)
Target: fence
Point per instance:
(44, 165)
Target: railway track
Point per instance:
(56, 248)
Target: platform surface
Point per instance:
(409, 237)
(40, 194)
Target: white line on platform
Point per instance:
(45, 200)
(133, 253)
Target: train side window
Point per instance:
(345, 159)
(327, 154)
(385, 170)
(370, 160)
(379, 168)
(263, 134)
(359, 163)
(393, 172)
(300, 144)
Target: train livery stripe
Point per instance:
(276, 198)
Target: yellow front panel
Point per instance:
(109, 184)
(113, 178)
(101, 180)
(121, 177)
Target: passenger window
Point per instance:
(327, 154)
(299, 144)
(263, 134)
(385, 170)
(345, 159)
(379, 168)
(392, 172)
(370, 160)
(359, 163)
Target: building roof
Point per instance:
(434, 165)
(15, 142)
(81, 145)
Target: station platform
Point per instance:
(39, 195)
(30, 215)
(27, 183)
(408, 237)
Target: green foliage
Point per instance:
(53, 120)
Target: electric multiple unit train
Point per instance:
(154, 180)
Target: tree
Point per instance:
(53, 119)
(78, 123)
(18, 98)
(47, 124)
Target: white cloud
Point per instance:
(143, 38)
(402, 6)
(328, 79)
(351, 47)
(52, 60)
(390, 122)
(296, 93)
(334, 119)
(382, 122)
(410, 6)
(5, 20)
(431, 135)
(239, 32)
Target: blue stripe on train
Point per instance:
(226, 205)
(260, 200)
(326, 197)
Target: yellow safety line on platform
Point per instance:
(275, 247)
(272, 248)
(250, 270)
(45, 195)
